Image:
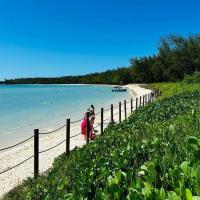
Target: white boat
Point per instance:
(119, 89)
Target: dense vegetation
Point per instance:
(177, 57)
(192, 79)
(117, 76)
(155, 154)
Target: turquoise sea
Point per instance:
(25, 107)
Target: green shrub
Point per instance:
(195, 78)
(155, 154)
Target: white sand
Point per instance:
(14, 156)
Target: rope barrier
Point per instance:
(106, 110)
(52, 147)
(16, 165)
(106, 123)
(122, 111)
(129, 107)
(73, 122)
(53, 130)
(16, 144)
(97, 126)
(115, 106)
(107, 119)
(76, 121)
(98, 113)
(116, 114)
(75, 135)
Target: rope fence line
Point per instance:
(129, 107)
(105, 110)
(6, 148)
(45, 133)
(115, 106)
(97, 125)
(40, 152)
(73, 136)
(116, 114)
(139, 103)
(73, 122)
(98, 113)
(16, 165)
(107, 119)
(76, 121)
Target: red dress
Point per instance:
(84, 129)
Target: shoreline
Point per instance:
(14, 156)
(49, 112)
(58, 84)
(137, 89)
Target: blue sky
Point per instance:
(69, 37)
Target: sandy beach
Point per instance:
(12, 157)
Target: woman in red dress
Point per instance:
(84, 127)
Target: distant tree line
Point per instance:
(115, 76)
(177, 57)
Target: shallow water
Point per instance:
(26, 107)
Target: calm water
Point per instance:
(25, 107)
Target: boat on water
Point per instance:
(119, 89)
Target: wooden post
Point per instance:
(120, 111)
(101, 120)
(131, 105)
(155, 94)
(68, 137)
(159, 93)
(111, 110)
(36, 153)
(125, 115)
(88, 128)
(150, 97)
(140, 101)
(143, 100)
(136, 103)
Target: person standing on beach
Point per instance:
(92, 114)
(92, 134)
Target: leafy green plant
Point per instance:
(154, 154)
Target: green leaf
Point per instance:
(147, 190)
(185, 167)
(171, 128)
(195, 197)
(162, 194)
(188, 194)
(192, 140)
(143, 167)
(173, 196)
(132, 194)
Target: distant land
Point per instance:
(177, 56)
(115, 76)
